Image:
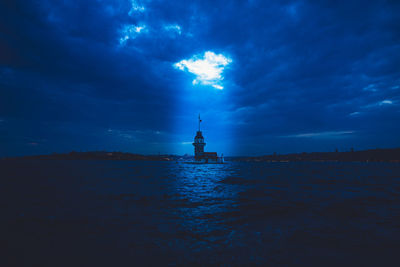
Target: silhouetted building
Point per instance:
(199, 154)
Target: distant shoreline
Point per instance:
(98, 155)
(372, 155)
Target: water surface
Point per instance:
(161, 213)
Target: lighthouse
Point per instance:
(199, 143)
(199, 155)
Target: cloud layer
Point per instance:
(71, 70)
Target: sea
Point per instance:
(150, 213)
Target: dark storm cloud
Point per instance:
(303, 66)
(99, 73)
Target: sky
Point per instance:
(133, 75)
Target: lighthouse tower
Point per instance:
(199, 143)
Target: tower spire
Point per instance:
(199, 122)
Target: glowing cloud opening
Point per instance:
(208, 69)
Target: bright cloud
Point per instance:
(355, 113)
(131, 32)
(136, 7)
(386, 102)
(382, 103)
(208, 69)
(333, 134)
(370, 87)
(173, 28)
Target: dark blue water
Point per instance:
(115, 213)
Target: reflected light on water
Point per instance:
(198, 185)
